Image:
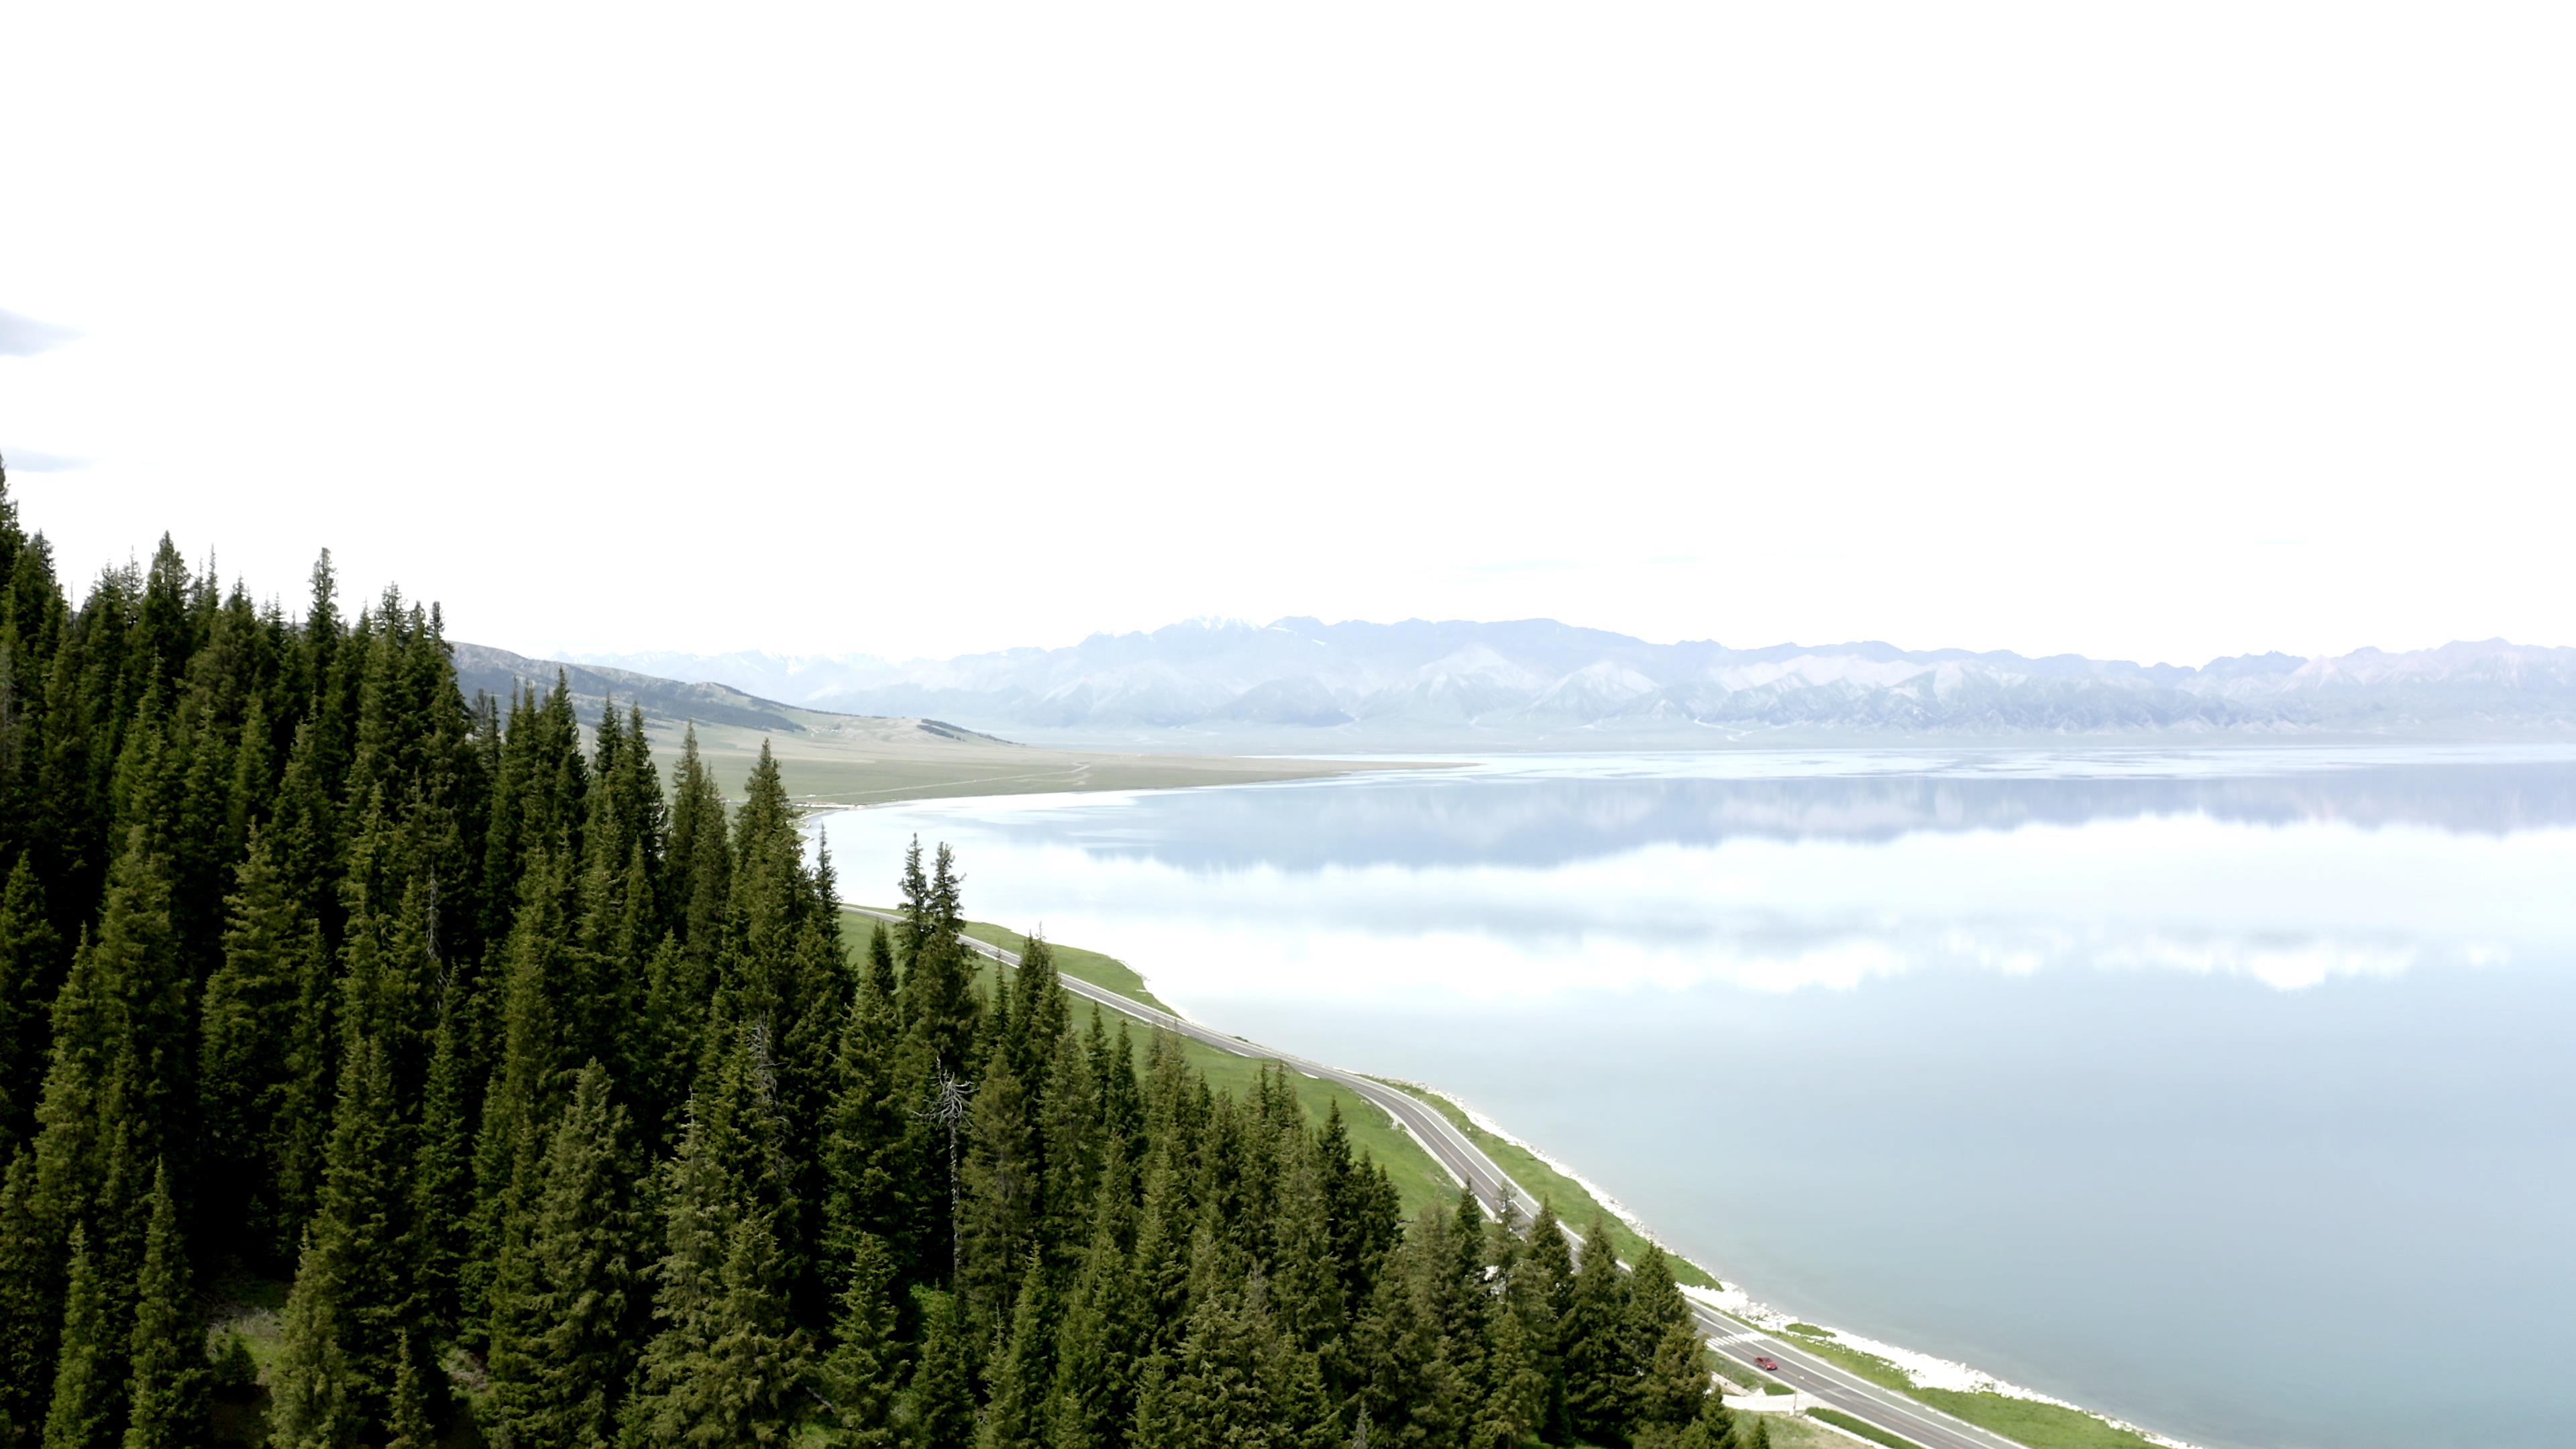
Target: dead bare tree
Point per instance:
(950, 1097)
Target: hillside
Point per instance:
(829, 758)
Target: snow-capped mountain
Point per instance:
(1303, 683)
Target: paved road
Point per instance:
(1826, 1382)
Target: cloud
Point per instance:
(25, 336)
(26, 460)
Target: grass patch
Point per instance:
(1090, 967)
(1420, 1181)
(1797, 1431)
(1866, 1365)
(1871, 1432)
(1573, 1205)
(1809, 1329)
(2042, 1426)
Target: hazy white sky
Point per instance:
(2151, 331)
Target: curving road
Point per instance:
(1823, 1382)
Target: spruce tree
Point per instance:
(1017, 1384)
(859, 1376)
(1097, 1346)
(30, 1310)
(942, 1011)
(1655, 1304)
(563, 1341)
(85, 1401)
(335, 1372)
(1674, 1386)
(998, 1218)
(1714, 1428)
(943, 1393)
(55, 1183)
(311, 1090)
(871, 1178)
(165, 1390)
(246, 1052)
(407, 1421)
(727, 1354)
(30, 971)
(1540, 1291)
(1593, 1338)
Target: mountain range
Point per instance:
(1304, 684)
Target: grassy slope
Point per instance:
(1870, 1432)
(1106, 972)
(1796, 1431)
(1573, 1204)
(1419, 1180)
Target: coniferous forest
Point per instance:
(540, 1099)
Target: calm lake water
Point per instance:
(2230, 1092)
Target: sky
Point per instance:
(2150, 332)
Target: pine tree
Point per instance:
(343, 1317)
(55, 1183)
(866, 1139)
(85, 1404)
(1213, 1394)
(1593, 1339)
(312, 1087)
(246, 1053)
(1540, 1292)
(1516, 1395)
(407, 1421)
(998, 1218)
(942, 1012)
(1655, 1305)
(727, 1354)
(30, 1313)
(1297, 1404)
(943, 1396)
(29, 975)
(859, 1376)
(1675, 1383)
(166, 1386)
(701, 856)
(1093, 1399)
(562, 1345)
(144, 982)
(1015, 1417)
(1714, 1428)
(1069, 1144)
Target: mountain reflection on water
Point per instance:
(1522, 812)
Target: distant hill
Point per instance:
(1309, 685)
(829, 758)
(479, 667)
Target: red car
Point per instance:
(1768, 1366)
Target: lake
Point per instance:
(2227, 1091)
